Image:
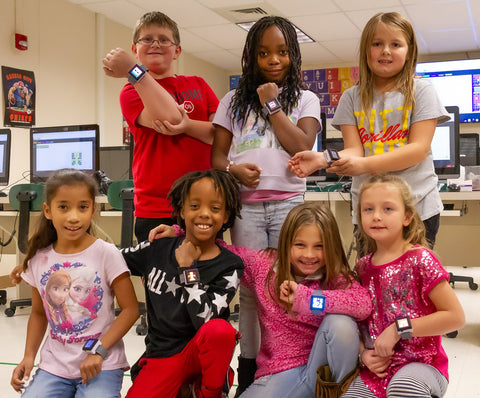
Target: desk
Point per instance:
(458, 238)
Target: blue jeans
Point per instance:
(258, 229)
(107, 384)
(336, 344)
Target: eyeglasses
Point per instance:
(163, 42)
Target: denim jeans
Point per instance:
(258, 229)
(107, 384)
(336, 344)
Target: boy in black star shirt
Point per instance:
(189, 282)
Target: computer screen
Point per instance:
(60, 147)
(456, 82)
(446, 146)
(115, 162)
(319, 146)
(5, 144)
(469, 149)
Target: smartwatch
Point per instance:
(136, 73)
(191, 275)
(404, 327)
(272, 106)
(94, 346)
(317, 302)
(331, 155)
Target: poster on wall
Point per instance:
(19, 97)
(328, 84)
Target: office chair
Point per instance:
(24, 198)
(120, 196)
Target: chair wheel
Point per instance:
(9, 312)
(452, 335)
(473, 286)
(141, 330)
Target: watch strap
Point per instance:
(100, 350)
(132, 79)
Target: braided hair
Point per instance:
(245, 98)
(222, 181)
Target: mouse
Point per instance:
(3, 194)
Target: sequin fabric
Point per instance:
(401, 288)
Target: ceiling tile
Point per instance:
(447, 41)
(224, 36)
(326, 27)
(121, 11)
(350, 5)
(346, 50)
(221, 58)
(306, 7)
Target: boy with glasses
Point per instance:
(170, 116)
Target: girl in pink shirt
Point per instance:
(413, 304)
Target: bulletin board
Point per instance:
(328, 84)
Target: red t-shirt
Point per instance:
(158, 160)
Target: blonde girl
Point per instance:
(61, 243)
(388, 119)
(413, 304)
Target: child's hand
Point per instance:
(305, 163)
(118, 62)
(266, 92)
(21, 374)
(349, 166)
(386, 341)
(15, 274)
(186, 253)
(90, 367)
(248, 174)
(376, 363)
(168, 128)
(161, 231)
(288, 290)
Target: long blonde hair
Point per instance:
(404, 81)
(413, 233)
(335, 258)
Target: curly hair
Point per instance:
(222, 181)
(245, 98)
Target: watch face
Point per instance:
(317, 303)
(136, 72)
(403, 324)
(89, 344)
(273, 105)
(191, 276)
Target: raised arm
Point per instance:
(158, 103)
(294, 138)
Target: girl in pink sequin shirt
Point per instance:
(413, 304)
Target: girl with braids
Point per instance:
(79, 358)
(310, 261)
(258, 127)
(189, 283)
(388, 119)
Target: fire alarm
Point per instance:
(21, 42)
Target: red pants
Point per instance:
(207, 355)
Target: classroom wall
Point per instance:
(66, 46)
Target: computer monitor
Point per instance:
(60, 147)
(446, 146)
(319, 146)
(5, 145)
(456, 82)
(115, 161)
(469, 149)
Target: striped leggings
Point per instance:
(412, 380)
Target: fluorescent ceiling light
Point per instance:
(302, 37)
